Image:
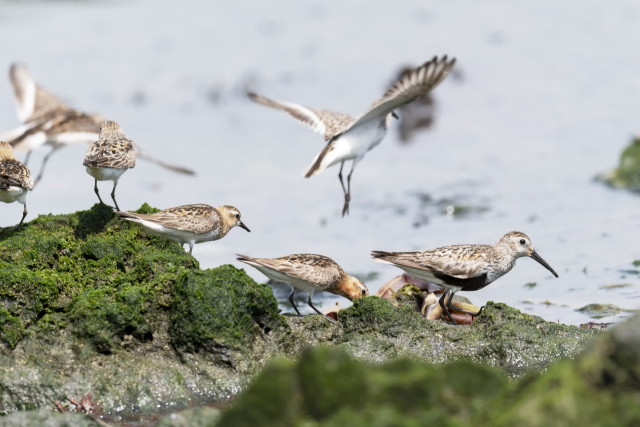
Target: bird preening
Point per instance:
(350, 138)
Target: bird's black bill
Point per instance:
(241, 224)
(538, 258)
(393, 113)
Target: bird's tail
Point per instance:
(327, 157)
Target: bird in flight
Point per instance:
(49, 121)
(350, 138)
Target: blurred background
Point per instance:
(544, 97)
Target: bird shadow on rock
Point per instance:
(94, 220)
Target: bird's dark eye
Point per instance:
(238, 216)
(522, 241)
(364, 292)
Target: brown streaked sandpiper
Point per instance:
(311, 273)
(464, 267)
(48, 120)
(109, 157)
(15, 180)
(350, 138)
(189, 224)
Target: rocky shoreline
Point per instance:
(92, 304)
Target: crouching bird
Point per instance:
(15, 180)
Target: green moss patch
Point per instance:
(627, 174)
(221, 307)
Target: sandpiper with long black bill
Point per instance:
(464, 267)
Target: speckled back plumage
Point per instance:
(112, 150)
(317, 269)
(198, 218)
(12, 172)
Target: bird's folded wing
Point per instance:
(327, 123)
(118, 155)
(321, 276)
(430, 260)
(195, 218)
(412, 86)
(17, 175)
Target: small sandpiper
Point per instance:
(189, 224)
(15, 179)
(110, 157)
(311, 273)
(464, 267)
(49, 121)
(350, 138)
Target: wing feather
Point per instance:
(327, 123)
(199, 218)
(411, 87)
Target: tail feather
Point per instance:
(322, 160)
(128, 216)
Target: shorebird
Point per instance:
(350, 138)
(49, 121)
(311, 273)
(15, 179)
(189, 223)
(109, 157)
(464, 267)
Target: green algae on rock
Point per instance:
(91, 303)
(326, 388)
(627, 174)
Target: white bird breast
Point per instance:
(355, 143)
(106, 174)
(180, 236)
(14, 194)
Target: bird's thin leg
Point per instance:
(347, 194)
(44, 163)
(293, 292)
(318, 311)
(190, 247)
(344, 190)
(444, 308)
(113, 194)
(24, 214)
(26, 159)
(95, 188)
(461, 310)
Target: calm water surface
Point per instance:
(547, 96)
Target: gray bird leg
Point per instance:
(347, 194)
(24, 214)
(113, 195)
(444, 308)
(293, 292)
(319, 312)
(95, 188)
(44, 163)
(26, 159)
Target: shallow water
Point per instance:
(548, 96)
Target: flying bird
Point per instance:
(350, 138)
(49, 121)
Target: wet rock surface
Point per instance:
(92, 304)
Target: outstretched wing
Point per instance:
(414, 85)
(328, 123)
(33, 102)
(142, 154)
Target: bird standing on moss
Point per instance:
(109, 157)
(464, 267)
(15, 179)
(189, 223)
(311, 273)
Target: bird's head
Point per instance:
(6, 152)
(519, 245)
(349, 287)
(231, 217)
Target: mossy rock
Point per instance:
(221, 308)
(627, 174)
(92, 303)
(326, 387)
